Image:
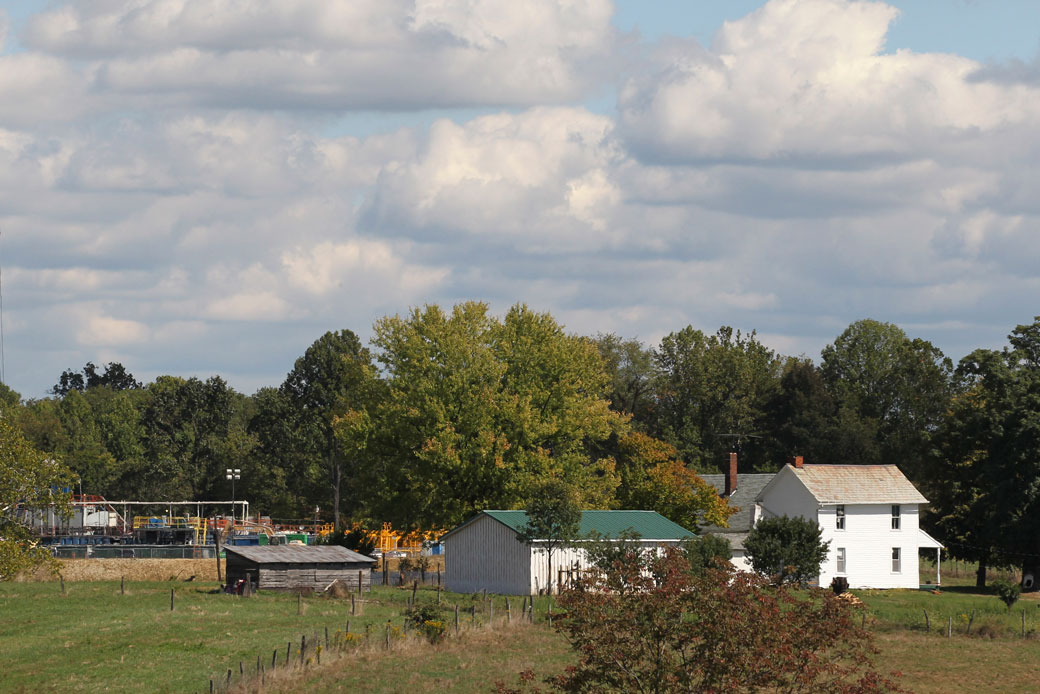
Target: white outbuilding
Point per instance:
(484, 554)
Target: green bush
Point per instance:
(1007, 591)
(704, 552)
(786, 550)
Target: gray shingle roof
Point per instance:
(748, 488)
(296, 554)
(858, 484)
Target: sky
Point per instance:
(199, 187)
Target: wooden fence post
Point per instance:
(415, 587)
(509, 611)
(241, 669)
(949, 628)
(171, 599)
(388, 636)
(288, 652)
(274, 658)
(303, 648)
(970, 620)
(353, 605)
(122, 585)
(326, 637)
(62, 579)
(491, 613)
(456, 619)
(227, 684)
(927, 622)
(360, 574)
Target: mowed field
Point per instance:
(93, 638)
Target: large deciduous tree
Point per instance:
(479, 409)
(334, 377)
(187, 424)
(712, 394)
(30, 481)
(987, 465)
(892, 388)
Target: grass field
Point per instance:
(92, 638)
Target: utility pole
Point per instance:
(233, 474)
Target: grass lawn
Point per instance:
(92, 638)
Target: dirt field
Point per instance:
(132, 569)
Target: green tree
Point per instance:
(334, 376)
(894, 388)
(478, 410)
(653, 478)
(553, 519)
(712, 395)
(789, 550)
(186, 423)
(987, 465)
(30, 481)
(632, 373)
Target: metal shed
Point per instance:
(291, 567)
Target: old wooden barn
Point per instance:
(292, 567)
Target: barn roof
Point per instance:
(299, 554)
(856, 484)
(649, 524)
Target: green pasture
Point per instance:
(93, 638)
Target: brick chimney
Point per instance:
(731, 474)
(796, 461)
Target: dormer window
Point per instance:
(895, 516)
(839, 517)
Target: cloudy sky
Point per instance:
(206, 186)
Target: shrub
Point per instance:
(1007, 591)
(705, 551)
(789, 550)
(427, 620)
(722, 631)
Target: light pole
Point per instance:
(233, 474)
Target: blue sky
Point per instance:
(189, 188)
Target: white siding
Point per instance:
(485, 555)
(787, 496)
(564, 559)
(868, 540)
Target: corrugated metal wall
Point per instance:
(485, 555)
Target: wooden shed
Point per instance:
(290, 567)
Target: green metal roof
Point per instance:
(650, 525)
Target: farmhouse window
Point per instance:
(895, 516)
(839, 517)
(841, 560)
(897, 563)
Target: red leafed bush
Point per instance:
(722, 632)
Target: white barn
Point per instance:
(484, 554)
(868, 513)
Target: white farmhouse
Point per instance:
(868, 513)
(484, 554)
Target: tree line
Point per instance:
(447, 412)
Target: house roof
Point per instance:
(294, 554)
(742, 498)
(649, 524)
(855, 484)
